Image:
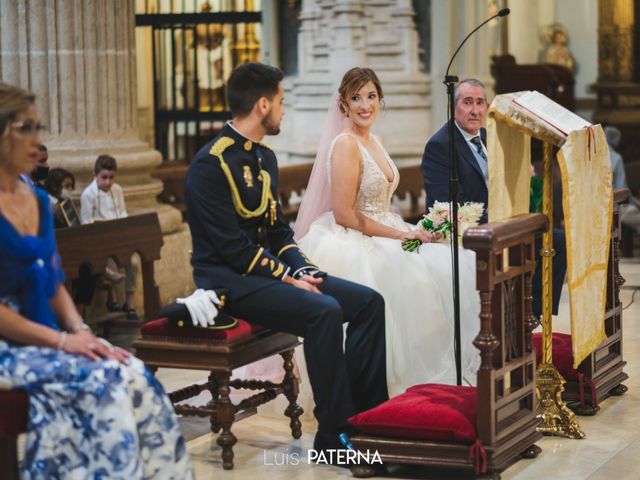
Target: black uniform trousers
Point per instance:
(344, 381)
(559, 265)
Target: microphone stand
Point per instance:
(450, 81)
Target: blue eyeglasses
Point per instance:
(28, 128)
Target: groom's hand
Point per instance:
(305, 282)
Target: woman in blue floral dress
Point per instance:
(95, 411)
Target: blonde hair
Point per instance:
(13, 100)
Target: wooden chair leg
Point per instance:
(9, 458)
(293, 411)
(225, 413)
(213, 389)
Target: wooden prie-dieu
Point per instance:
(505, 423)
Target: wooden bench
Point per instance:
(505, 422)
(88, 245)
(92, 245)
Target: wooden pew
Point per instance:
(119, 239)
(411, 184)
(506, 383)
(292, 178)
(554, 81)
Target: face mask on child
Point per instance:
(65, 194)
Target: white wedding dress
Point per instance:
(416, 286)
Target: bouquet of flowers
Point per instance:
(438, 222)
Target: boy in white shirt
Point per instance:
(103, 200)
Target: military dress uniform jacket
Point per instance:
(240, 239)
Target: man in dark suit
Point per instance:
(470, 140)
(242, 244)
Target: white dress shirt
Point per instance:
(98, 205)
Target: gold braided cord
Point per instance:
(216, 150)
(285, 248)
(255, 260)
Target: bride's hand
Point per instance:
(420, 234)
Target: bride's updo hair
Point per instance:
(354, 80)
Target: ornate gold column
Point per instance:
(79, 59)
(617, 87)
(555, 417)
(615, 41)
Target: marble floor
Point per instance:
(610, 450)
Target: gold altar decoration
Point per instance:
(246, 47)
(585, 167)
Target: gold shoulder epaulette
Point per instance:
(217, 149)
(221, 145)
(267, 147)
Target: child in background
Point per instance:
(103, 200)
(59, 185)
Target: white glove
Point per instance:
(202, 307)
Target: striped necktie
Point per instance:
(478, 143)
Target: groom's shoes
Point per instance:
(327, 443)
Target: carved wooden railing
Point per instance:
(505, 263)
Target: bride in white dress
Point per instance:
(347, 227)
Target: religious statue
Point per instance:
(556, 50)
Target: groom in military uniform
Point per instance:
(242, 244)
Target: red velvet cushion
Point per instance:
(425, 412)
(561, 352)
(14, 412)
(161, 328)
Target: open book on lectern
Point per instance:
(550, 112)
(582, 155)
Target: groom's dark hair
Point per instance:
(248, 83)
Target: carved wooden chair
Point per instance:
(481, 429)
(219, 352)
(601, 373)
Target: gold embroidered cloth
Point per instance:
(587, 202)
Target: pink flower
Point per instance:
(438, 221)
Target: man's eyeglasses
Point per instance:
(28, 128)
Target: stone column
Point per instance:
(78, 56)
(336, 35)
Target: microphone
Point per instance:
(502, 13)
(449, 81)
